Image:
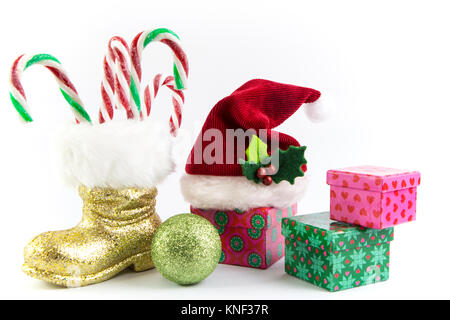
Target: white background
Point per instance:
(386, 65)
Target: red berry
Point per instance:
(271, 170)
(261, 173)
(267, 180)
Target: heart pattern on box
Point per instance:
(373, 178)
(379, 210)
(373, 197)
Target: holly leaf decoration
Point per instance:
(257, 151)
(289, 164)
(249, 169)
(257, 157)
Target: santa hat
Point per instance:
(258, 104)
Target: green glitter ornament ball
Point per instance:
(186, 248)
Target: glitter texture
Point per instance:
(186, 249)
(115, 233)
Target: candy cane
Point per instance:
(117, 80)
(180, 68)
(122, 78)
(106, 111)
(17, 93)
(151, 92)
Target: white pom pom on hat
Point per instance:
(319, 110)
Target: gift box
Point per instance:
(373, 197)
(335, 255)
(250, 238)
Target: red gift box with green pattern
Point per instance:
(250, 238)
(335, 255)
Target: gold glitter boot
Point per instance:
(115, 233)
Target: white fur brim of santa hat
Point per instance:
(117, 154)
(229, 193)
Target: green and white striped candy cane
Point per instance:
(17, 94)
(180, 67)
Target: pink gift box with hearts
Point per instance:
(373, 197)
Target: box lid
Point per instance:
(262, 218)
(319, 231)
(373, 178)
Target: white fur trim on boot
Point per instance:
(228, 193)
(117, 154)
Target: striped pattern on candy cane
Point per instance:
(117, 79)
(151, 92)
(106, 112)
(17, 93)
(122, 78)
(180, 68)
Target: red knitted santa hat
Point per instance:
(258, 104)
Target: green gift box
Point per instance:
(335, 255)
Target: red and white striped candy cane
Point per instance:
(17, 93)
(151, 92)
(122, 78)
(117, 77)
(180, 69)
(106, 111)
